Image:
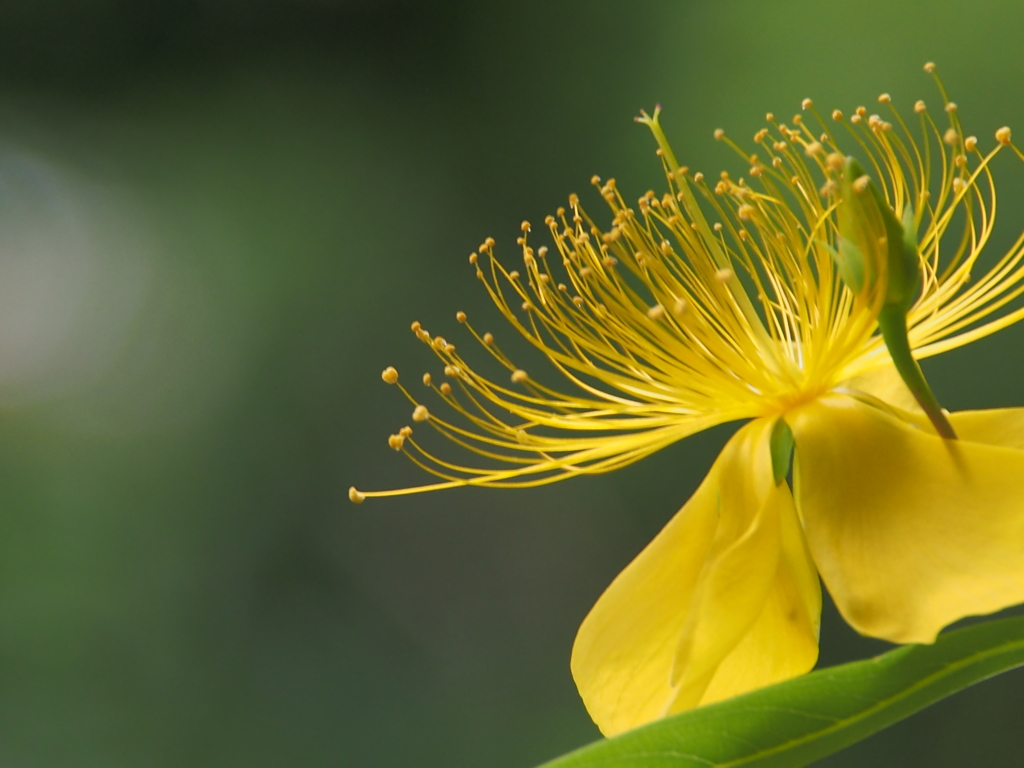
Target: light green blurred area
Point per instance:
(216, 224)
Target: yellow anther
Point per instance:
(745, 212)
(725, 274)
(970, 143)
(813, 149)
(525, 226)
(884, 98)
(929, 67)
(919, 106)
(405, 432)
(489, 242)
(958, 185)
(806, 104)
(420, 413)
(488, 338)
(574, 200)
(608, 261)
(560, 211)
(769, 117)
(874, 121)
(527, 306)
(656, 312)
(542, 252)
(519, 376)
(798, 119)
(777, 162)
(595, 180)
(719, 134)
(679, 307)
(950, 107)
(578, 301)
(446, 388)
(743, 236)
(718, 226)
(513, 275)
(1003, 135)
(861, 183)
(961, 161)
(427, 379)
(837, 115)
(835, 161)
(586, 272)
(396, 442)
(951, 137)
(356, 497)
(698, 177)
(855, 118)
(460, 316)
(390, 375)
(416, 327)
(473, 258)
(828, 188)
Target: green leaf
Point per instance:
(781, 449)
(802, 720)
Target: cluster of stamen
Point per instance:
(710, 303)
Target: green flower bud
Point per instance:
(877, 256)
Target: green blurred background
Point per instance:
(217, 219)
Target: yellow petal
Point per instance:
(783, 641)
(885, 384)
(997, 426)
(688, 605)
(909, 532)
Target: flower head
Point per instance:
(783, 297)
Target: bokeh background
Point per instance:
(217, 220)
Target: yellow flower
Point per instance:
(759, 299)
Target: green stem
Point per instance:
(892, 321)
